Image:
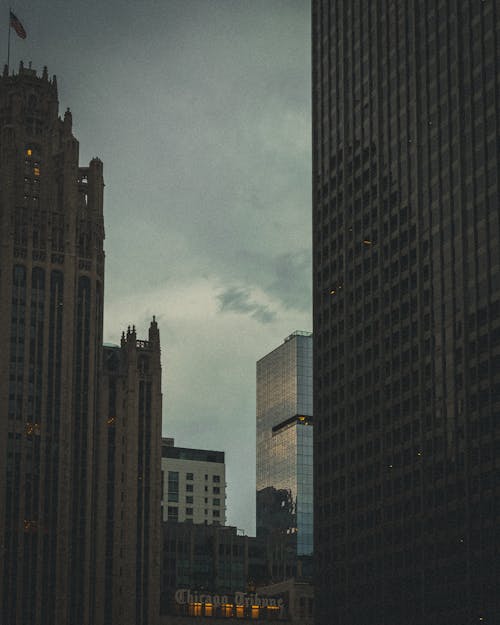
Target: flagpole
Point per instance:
(8, 46)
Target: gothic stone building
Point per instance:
(51, 303)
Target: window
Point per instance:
(189, 511)
(172, 513)
(216, 512)
(189, 488)
(216, 490)
(189, 476)
(216, 502)
(189, 499)
(173, 486)
(216, 478)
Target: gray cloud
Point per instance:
(239, 300)
(292, 279)
(200, 111)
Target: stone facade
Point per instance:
(128, 491)
(79, 446)
(51, 293)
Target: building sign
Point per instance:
(239, 604)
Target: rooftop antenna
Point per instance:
(8, 44)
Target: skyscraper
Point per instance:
(128, 488)
(406, 311)
(79, 443)
(284, 443)
(51, 286)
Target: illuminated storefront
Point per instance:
(244, 607)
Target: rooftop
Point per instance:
(185, 453)
(298, 333)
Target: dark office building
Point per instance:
(51, 288)
(212, 571)
(202, 557)
(406, 239)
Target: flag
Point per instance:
(17, 26)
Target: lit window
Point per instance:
(36, 171)
(29, 152)
(195, 609)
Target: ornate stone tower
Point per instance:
(129, 485)
(51, 292)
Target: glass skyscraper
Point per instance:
(284, 442)
(406, 240)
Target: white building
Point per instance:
(193, 484)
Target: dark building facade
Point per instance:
(212, 571)
(128, 492)
(202, 557)
(406, 240)
(51, 287)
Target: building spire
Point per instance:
(68, 121)
(154, 333)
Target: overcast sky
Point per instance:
(200, 110)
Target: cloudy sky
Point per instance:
(200, 110)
